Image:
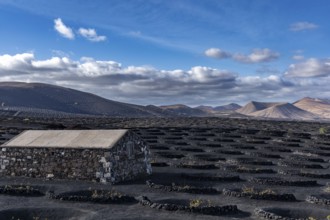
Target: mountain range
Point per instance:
(276, 111)
(319, 107)
(38, 99)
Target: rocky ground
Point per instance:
(203, 168)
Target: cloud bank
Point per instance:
(310, 68)
(148, 85)
(257, 55)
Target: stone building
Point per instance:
(108, 156)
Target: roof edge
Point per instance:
(80, 144)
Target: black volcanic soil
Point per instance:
(203, 168)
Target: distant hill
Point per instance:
(229, 107)
(320, 107)
(65, 100)
(284, 111)
(255, 106)
(183, 110)
(217, 109)
(205, 108)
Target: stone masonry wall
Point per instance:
(130, 159)
(50, 162)
(125, 161)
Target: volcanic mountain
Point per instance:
(320, 107)
(20, 96)
(205, 108)
(255, 106)
(229, 107)
(284, 111)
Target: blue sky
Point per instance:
(170, 51)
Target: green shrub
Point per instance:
(323, 130)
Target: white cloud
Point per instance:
(257, 81)
(16, 62)
(257, 56)
(62, 29)
(91, 35)
(55, 63)
(302, 26)
(217, 53)
(67, 32)
(91, 68)
(310, 68)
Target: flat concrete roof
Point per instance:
(67, 138)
